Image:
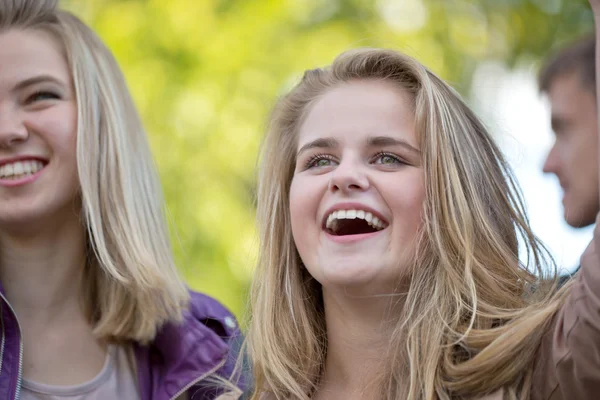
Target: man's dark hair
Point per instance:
(579, 57)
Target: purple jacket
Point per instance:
(178, 361)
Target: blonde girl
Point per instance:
(92, 306)
(389, 262)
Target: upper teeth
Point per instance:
(352, 214)
(20, 168)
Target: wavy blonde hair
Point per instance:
(473, 315)
(132, 285)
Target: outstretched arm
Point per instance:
(569, 362)
(595, 4)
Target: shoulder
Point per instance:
(206, 323)
(212, 314)
(563, 279)
(206, 341)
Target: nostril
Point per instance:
(348, 179)
(13, 137)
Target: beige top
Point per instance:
(116, 380)
(568, 361)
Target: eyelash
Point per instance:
(384, 154)
(34, 97)
(322, 156)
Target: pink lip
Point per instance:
(26, 179)
(352, 206)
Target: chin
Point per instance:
(355, 277)
(24, 214)
(581, 218)
(330, 280)
(579, 221)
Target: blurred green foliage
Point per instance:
(205, 73)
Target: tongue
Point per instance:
(353, 227)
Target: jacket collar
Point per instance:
(184, 354)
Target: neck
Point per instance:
(358, 336)
(41, 272)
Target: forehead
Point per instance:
(361, 108)
(26, 53)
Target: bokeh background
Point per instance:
(205, 73)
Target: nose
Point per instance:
(349, 176)
(552, 162)
(12, 127)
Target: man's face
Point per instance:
(574, 155)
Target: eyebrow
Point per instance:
(376, 141)
(38, 79)
(382, 141)
(322, 143)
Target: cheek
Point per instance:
(581, 158)
(59, 126)
(588, 151)
(69, 129)
(304, 203)
(63, 144)
(407, 207)
(299, 208)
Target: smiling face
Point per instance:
(574, 156)
(358, 187)
(38, 174)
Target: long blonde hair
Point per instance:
(473, 316)
(132, 284)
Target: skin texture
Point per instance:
(362, 154)
(385, 178)
(574, 155)
(39, 120)
(42, 240)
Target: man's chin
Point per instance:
(578, 218)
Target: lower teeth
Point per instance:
(14, 177)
